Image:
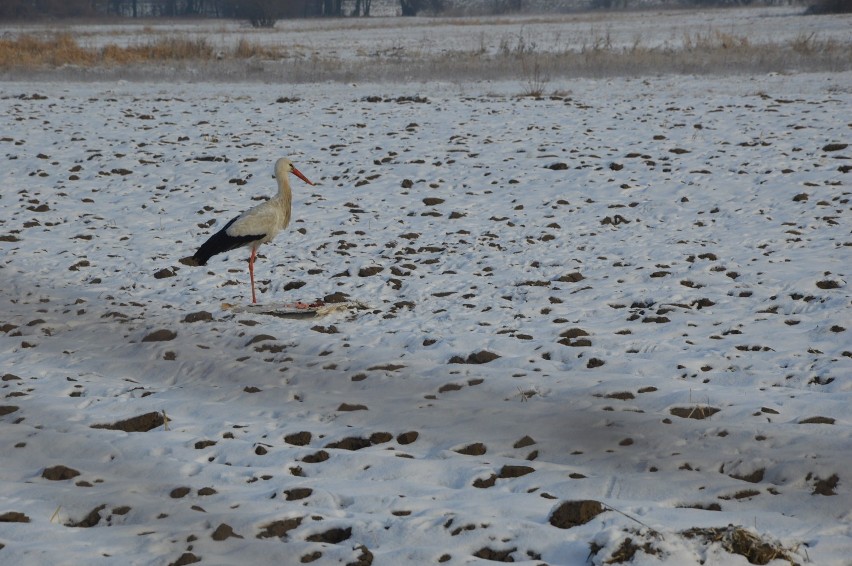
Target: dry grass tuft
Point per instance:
(164, 49)
(520, 57)
(738, 540)
(28, 50)
(62, 49)
(714, 40)
(246, 49)
(733, 539)
(177, 48)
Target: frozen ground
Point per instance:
(676, 247)
(657, 270)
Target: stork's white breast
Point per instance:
(266, 219)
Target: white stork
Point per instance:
(255, 226)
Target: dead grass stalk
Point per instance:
(518, 57)
(62, 49)
(737, 540)
(57, 50)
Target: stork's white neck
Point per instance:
(284, 192)
(285, 195)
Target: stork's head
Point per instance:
(284, 166)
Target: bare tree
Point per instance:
(830, 7)
(409, 7)
(413, 7)
(22, 9)
(332, 8)
(359, 4)
(506, 6)
(261, 13)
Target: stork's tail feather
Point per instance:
(205, 252)
(210, 248)
(221, 242)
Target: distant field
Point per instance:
(531, 48)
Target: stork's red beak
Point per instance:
(298, 174)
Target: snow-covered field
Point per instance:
(659, 268)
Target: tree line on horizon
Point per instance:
(264, 13)
(237, 9)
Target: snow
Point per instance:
(707, 218)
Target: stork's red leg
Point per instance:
(251, 274)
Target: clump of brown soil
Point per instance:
(279, 528)
(14, 517)
(628, 549)
(331, 536)
(90, 520)
(574, 513)
(696, 412)
(487, 553)
(302, 438)
(481, 357)
(58, 473)
(7, 409)
(475, 449)
(161, 335)
(140, 423)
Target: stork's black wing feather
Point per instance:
(221, 242)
